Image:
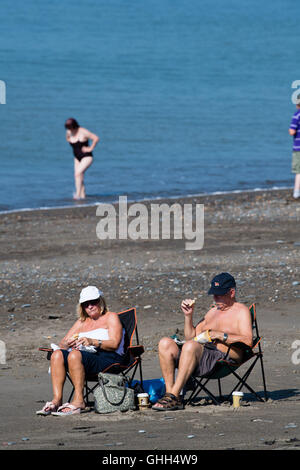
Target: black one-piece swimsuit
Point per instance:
(77, 149)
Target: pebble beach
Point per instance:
(47, 256)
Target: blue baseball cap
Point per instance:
(221, 284)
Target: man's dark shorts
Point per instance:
(208, 360)
(96, 362)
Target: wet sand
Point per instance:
(48, 256)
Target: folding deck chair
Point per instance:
(132, 360)
(223, 368)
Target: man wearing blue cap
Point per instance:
(227, 322)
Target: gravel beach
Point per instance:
(47, 256)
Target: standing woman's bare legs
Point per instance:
(79, 169)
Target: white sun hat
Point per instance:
(89, 293)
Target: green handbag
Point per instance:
(112, 394)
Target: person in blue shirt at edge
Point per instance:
(294, 131)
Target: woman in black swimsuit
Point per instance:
(78, 137)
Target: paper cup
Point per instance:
(143, 399)
(236, 399)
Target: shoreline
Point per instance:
(154, 199)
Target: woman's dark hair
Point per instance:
(71, 124)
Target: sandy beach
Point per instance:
(47, 256)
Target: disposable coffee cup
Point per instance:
(143, 399)
(236, 398)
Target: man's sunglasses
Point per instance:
(90, 302)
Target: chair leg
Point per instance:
(214, 399)
(195, 391)
(199, 387)
(141, 375)
(71, 395)
(242, 381)
(220, 390)
(87, 392)
(72, 392)
(263, 377)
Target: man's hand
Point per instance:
(187, 306)
(216, 335)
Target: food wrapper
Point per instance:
(203, 337)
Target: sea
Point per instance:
(188, 97)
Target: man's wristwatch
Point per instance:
(225, 337)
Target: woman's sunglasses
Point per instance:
(90, 302)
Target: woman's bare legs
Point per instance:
(58, 376)
(77, 374)
(79, 169)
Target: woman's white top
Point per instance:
(100, 334)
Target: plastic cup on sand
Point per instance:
(236, 398)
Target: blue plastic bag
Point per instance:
(154, 387)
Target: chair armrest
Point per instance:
(49, 352)
(137, 350)
(244, 347)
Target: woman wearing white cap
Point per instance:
(93, 343)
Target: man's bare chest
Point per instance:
(222, 321)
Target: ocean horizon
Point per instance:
(187, 98)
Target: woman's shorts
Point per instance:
(296, 162)
(94, 363)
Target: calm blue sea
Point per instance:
(187, 96)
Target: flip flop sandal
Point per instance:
(49, 408)
(73, 410)
(169, 402)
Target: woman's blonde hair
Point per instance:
(82, 313)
